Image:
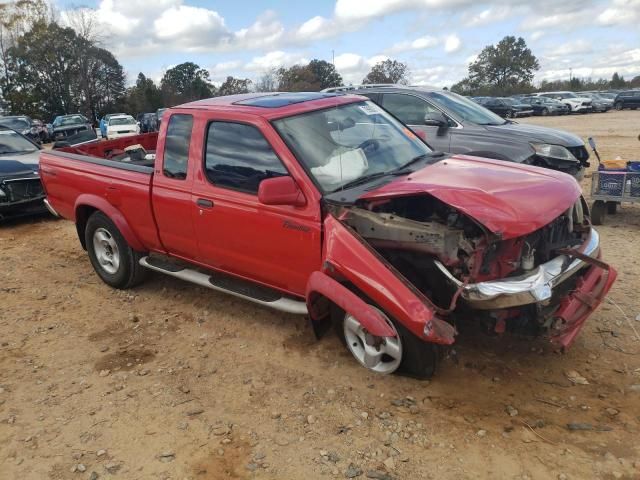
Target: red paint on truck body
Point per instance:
(298, 249)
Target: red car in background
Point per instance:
(324, 204)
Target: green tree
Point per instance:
(617, 81)
(388, 71)
(298, 78)
(55, 72)
(143, 97)
(326, 73)
(16, 18)
(185, 82)
(233, 86)
(501, 69)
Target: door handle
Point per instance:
(204, 203)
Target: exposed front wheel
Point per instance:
(403, 352)
(618, 106)
(509, 114)
(115, 262)
(545, 112)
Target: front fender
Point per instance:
(321, 284)
(100, 203)
(346, 256)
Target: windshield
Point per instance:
(11, 142)
(122, 121)
(67, 120)
(342, 144)
(18, 124)
(467, 110)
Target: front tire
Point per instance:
(115, 262)
(403, 353)
(545, 112)
(618, 106)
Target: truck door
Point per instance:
(172, 184)
(277, 245)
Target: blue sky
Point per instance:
(436, 38)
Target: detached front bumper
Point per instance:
(533, 287)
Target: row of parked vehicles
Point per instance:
(560, 103)
(77, 126)
(352, 206)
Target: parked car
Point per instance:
(159, 114)
(629, 99)
(507, 107)
(23, 125)
(452, 123)
(41, 130)
(598, 105)
(103, 123)
(571, 100)
(21, 192)
(147, 122)
(326, 205)
(122, 126)
(545, 106)
(67, 125)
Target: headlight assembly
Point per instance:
(553, 151)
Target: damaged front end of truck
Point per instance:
(515, 261)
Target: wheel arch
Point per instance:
(87, 205)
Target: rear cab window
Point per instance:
(238, 157)
(176, 146)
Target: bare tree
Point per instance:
(85, 22)
(268, 81)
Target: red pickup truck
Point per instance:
(324, 204)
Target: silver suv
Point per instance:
(452, 123)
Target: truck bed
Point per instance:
(91, 175)
(115, 149)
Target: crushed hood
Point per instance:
(509, 199)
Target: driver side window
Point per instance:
(410, 110)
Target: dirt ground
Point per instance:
(172, 381)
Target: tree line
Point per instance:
(47, 69)
(509, 67)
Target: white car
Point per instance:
(575, 103)
(122, 126)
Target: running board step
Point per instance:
(225, 283)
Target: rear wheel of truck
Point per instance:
(598, 210)
(403, 353)
(115, 262)
(612, 208)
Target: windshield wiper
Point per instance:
(415, 160)
(361, 180)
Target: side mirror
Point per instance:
(435, 119)
(281, 191)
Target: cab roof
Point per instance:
(274, 105)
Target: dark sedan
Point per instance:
(67, 125)
(545, 106)
(21, 192)
(23, 125)
(507, 107)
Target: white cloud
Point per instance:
(572, 48)
(275, 59)
(538, 34)
(489, 15)
(452, 43)
(621, 12)
(191, 27)
(417, 44)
